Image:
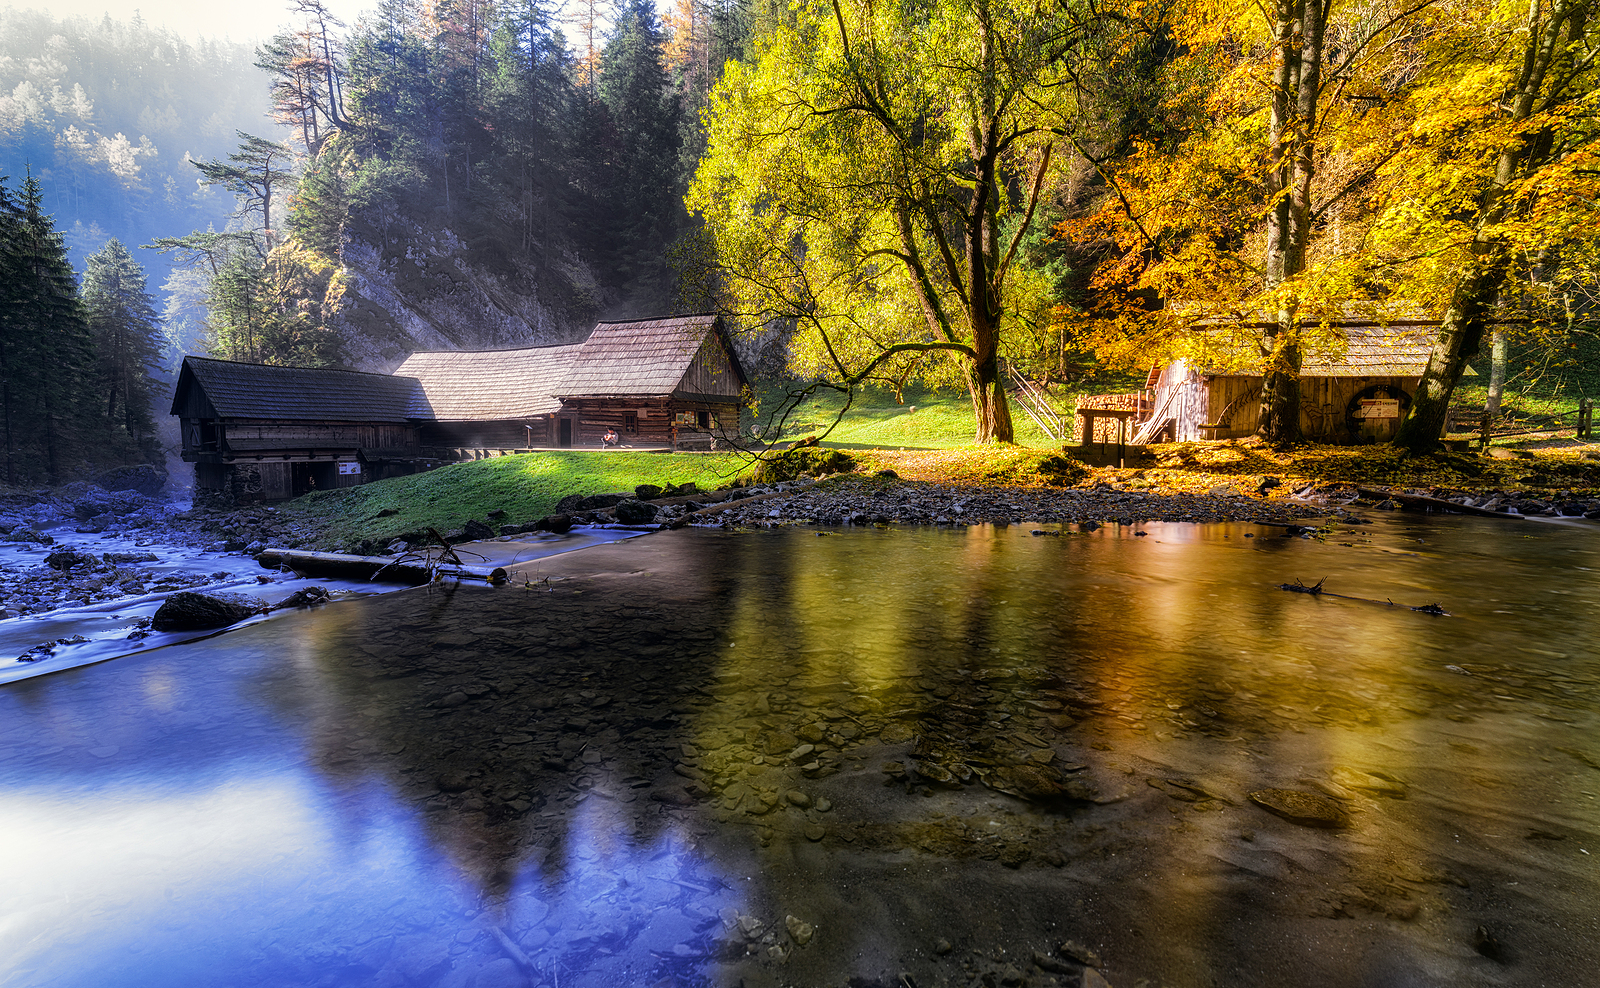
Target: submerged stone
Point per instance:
(1304, 808)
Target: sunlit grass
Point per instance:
(526, 487)
(925, 419)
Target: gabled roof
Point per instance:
(1367, 350)
(488, 385)
(258, 391)
(643, 357)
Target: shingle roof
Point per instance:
(488, 385)
(258, 391)
(645, 357)
(1370, 351)
(1376, 351)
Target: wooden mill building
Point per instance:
(1355, 394)
(256, 432)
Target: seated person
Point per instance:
(610, 438)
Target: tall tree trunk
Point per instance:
(1460, 334)
(1299, 28)
(1497, 369)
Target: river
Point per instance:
(800, 757)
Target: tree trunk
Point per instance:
(1280, 386)
(1497, 369)
(989, 405)
(1460, 336)
(1298, 25)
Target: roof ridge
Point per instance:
(283, 367)
(627, 322)
(509, 349)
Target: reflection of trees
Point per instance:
(714, 674)
(496, 713)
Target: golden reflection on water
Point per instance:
(609, 762)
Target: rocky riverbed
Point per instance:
(83, 544)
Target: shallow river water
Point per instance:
(888, 757)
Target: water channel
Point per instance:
(864, 758)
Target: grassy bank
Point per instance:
(526, 487)
(921, 418)
(931, 444)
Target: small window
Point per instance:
(630, 422)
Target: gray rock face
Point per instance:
(189, 611)
(477, 530)
(636, 512)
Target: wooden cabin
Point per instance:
(266, 433)
(658, 382)
(256, 432)
(1357, 394)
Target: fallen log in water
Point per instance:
(1432, 503)
(414, 570)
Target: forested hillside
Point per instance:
(108, 114)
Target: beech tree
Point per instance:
(870, 177)
(1498, 191)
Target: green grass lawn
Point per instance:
(942, 419)
(526, 487)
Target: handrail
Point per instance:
(1033, 402)
(1153, 424)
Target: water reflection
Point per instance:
(777, 757)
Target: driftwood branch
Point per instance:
(1316, 590)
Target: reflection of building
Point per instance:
(259, 432)
(1356, 395)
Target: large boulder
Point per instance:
(596, 502)
(66, 559)
(95, 501)
(568, 504)
(477, 531)
(190, 611)
(647, 492)
(636, 512)
(144, 478)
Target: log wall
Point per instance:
(711, 373)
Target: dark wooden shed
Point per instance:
(263, 432)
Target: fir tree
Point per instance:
(127, 332)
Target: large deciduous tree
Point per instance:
(870, 176)
(1499, 186)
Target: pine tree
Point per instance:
(127, 337)
(644, 193)
(45, 347)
